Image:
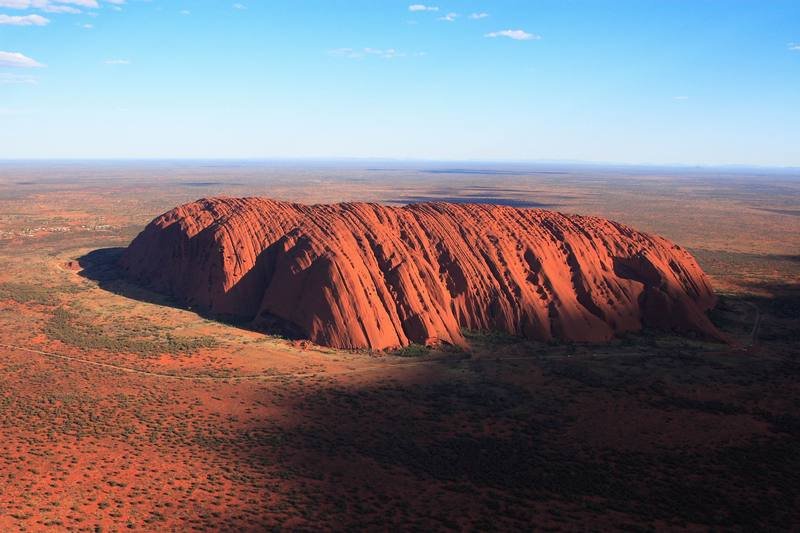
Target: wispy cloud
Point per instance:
(350, 53)
(57, 6)
(517, 35)
(794, 46)
(360, 53)
(82, 3)
(52, 8)
(450, 17)
(239, 6)
(15, 59)
(26, 20)
(422, 7)
(680, 97)
(389, 53)
(478, 16)
(7, 78)
(117, 62)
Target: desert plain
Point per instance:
(122, 410)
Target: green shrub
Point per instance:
(412, 350)
(146, 341)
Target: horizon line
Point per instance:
(322, 159)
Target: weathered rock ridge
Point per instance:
(357, 275)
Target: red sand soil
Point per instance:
(357, 275)
(652, 431)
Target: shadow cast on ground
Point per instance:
(102, 267)
(499, 451)
(496, 446)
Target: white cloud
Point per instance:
(794, 46)
(83, 3)
(421, 7)
(389, 53)
(185, 12)
(41, 4)
(50, 8)
(361, 53)
(56, 6)
(15, 59)
(7, 78)
(450, 17)
(680, 97)
(16, 4)
(239, 6)
(477, 16)
(87, 26)
(517, 35)
(27, 20)
(346, 52)
(117, 62)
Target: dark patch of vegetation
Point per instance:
(785, 423)
(146, 341)
(412, 350)
(491, 337)
(24, 293)
(575, 371)
(689, 404)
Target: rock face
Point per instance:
(370, 276)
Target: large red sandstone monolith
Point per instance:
(370, 276)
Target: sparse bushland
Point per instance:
(24, 293)
(646, 432)
(120, 336)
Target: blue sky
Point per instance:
(639, 81)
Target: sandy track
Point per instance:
(756, 324)
(372, 368)
(262, 377)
